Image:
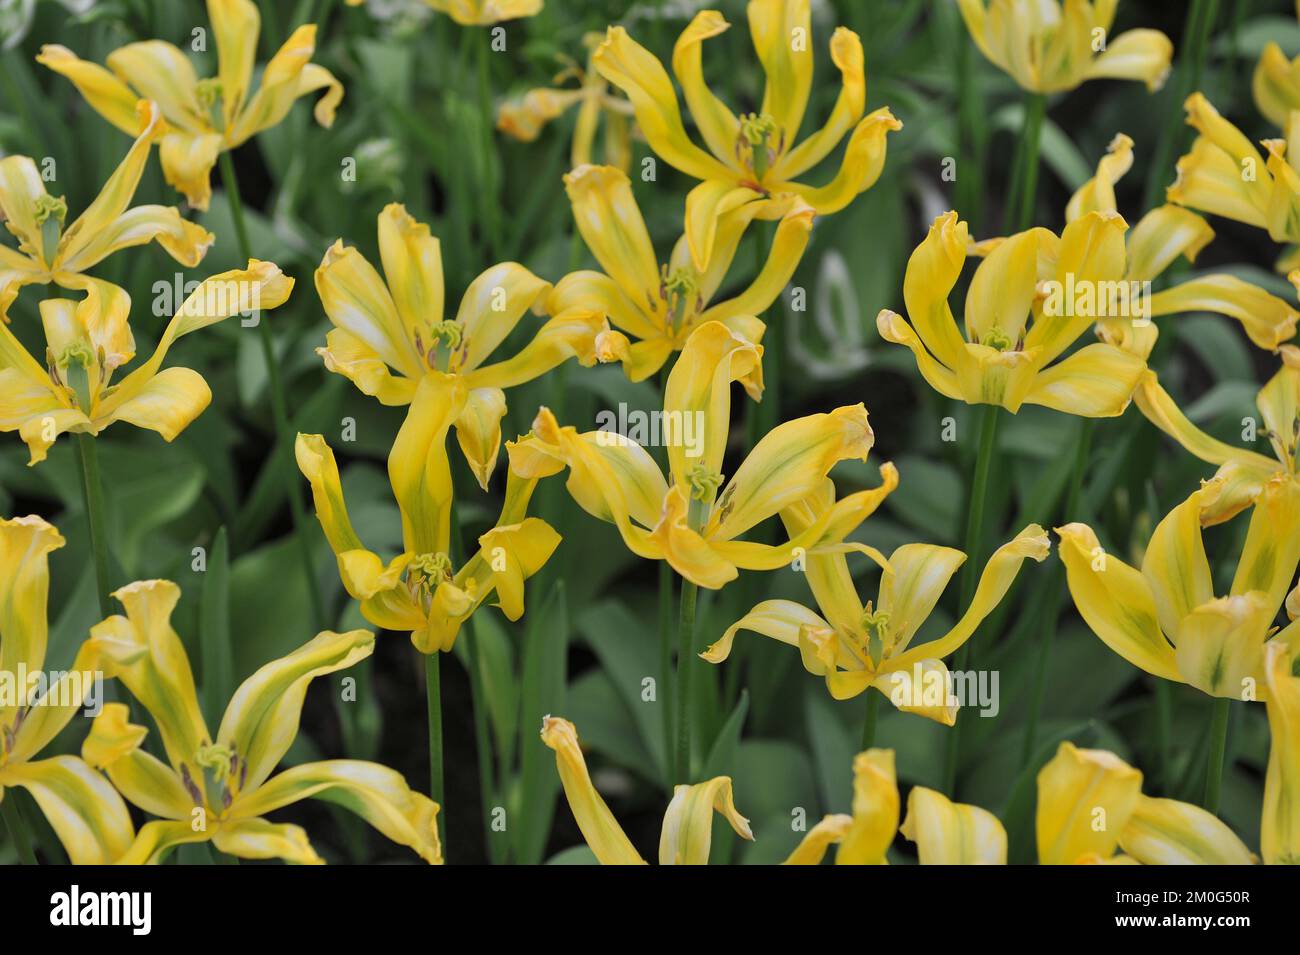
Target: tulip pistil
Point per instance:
(752, 145)
(446, 339)
(704, 484)
(428, 571)
(879, 639)
(210, 95)
(49, 213)
(679, 290)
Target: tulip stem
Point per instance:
(433, 696)
(492, 229)
(92, 487)
(869, 721)
(666, 666)
(279, 407)
(1024, 173)
(17, 827)
(685, 662)
(974, 552)
(1214, 760)
(1049, 607)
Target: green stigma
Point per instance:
(49, 214)
(998, 340)
(429, 570)
(756, 130)
(704, 482)
(879, 639)
(210, 94)
(74, 363)
(446, 337)
(679, 289)
(217, 762)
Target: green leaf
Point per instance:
(545, 650)
(214, 630)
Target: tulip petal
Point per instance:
(717, 124)
(688, 823)
(1267, 319)
(85, 812)
(377, 794)
(1086, 798)
(1097, 381)
(573, 333)
(604, 835)
(25, 546)
(1159, 237)
(782, 32)
(490, 309)
(235, 26)
(160, 72)
(779, 619)
(846, 54)
(261, 721)
(113, 746)
(357, 301)
(288, 75)
(1279, 839)
(1168, 832)
(418, 468)
(864, 159)
(412, 260)
(949, 833)
(478, 431)
(1135, 55)
(610, 223)
(875, 810)
(106, 94)
(812, 848)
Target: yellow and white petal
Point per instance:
(260, 839)
(1135, 55)
(998, 575)
(893, 328)
(864, 158)
(639, 74)
(787, 465)
(1162, 235)
(288, 75)
(166, 403)
(717, 124)
(261, 721)
(25, 546)
(144, 651)
(923, 687)
(155, 841)
(106, 94)
(236, 25)
(478, 431)
(1098, 193)
(949, 833)
(1267, 319)
(1275, 85)
(788, 245)
(610, 222)
(1175, 565)
(418, 468)
(1220, 647)
(875, 810)
(113, 746)
(347, 355)
(573, 333)
(586, 290)
(1116, 601)
(688, 823)
(1162, 411)
(1097, 381)
(85, 812)
(490, 309)
(62, 699)
(774, 26)
(846, 54)
(1086, 798)
(412, 260)
(377, 794)
(1279, 839)
(604, 835)
(356, 300)
(1169, 832)
(812, 848)
(779, 619)
(918, 575)
(1272, 547)
(160, 72)
(21, 187)
(187, 160)
(932, 271)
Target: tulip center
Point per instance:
(446, 338)
(704, 484)
(49, 213)
(427, 571)
(875, 624)
(679, 290)
(210, 95)
(998, 340)
(71, 367)
(754, 144)
(1287, 446)
(224, 773)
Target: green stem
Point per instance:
(279, 407)
(666, 665)
(869, 721)
(685, 663)
(490, 220)
(483, 742)
(92, 487)
(1024, 182)
(1214, 761)
(1164, 728)
(1050, 605)
(970, 126)
(433, 697)
(970, 574)
(13, 818)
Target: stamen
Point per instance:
(210, 96)
(679, 291)
(755, 131)
(427, 571)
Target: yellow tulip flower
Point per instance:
(1090, 803)
(1165, 618)
(1065, 284)
(86, 813)
(1276, 85)
(205, 117)
(220, 789)
(1279, 838)
(1049, 49)
(857, 647)
(660, 305)
(482, 13)
(87, 341)
(1225, 175)
(523, 117)
(688, 824)
(419, 591)
(754, 152)
(1243, 471)
(386, 336)
(1159, 237)
(49, 253)
(945, 832)
(684, 519)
